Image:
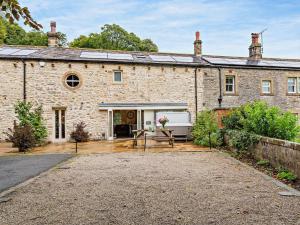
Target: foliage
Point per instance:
(260, 118)
(206, 127)
(114, 37)
(28, 115)
(21, 136)
(284, 174)
(79, 134)
(263, 163)
(13, 34)
(242, 140)
(12, 11)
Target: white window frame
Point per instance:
(296, 80)
(233, 84)
(269, 86)
(117, 81)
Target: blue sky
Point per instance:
(225, 26)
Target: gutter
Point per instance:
(24, 81)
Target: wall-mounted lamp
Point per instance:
(42, 63)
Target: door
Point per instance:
(59, 125)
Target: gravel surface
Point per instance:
(151, 188)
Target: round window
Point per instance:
(72, 80)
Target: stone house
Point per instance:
(104, 88)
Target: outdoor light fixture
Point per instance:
(42, 63)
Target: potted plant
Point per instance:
(163, 120)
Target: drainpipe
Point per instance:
(220, 99)
(196, 93)
(24, 81)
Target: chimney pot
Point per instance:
(197, 36)
(53, 26)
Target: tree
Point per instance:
(114, 37)
(13, 34)
(12, 11)
(27, 115)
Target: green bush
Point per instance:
(206, 127)
(286, 175)
(260, 118)
(242, 140)
(27, 115)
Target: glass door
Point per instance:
(59, 125)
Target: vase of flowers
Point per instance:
(163, 121)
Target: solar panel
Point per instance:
(162, 58)
(8, 51)
(183, 59)
(119, 56)
(24, 52)
(217, 60)
(94, 55)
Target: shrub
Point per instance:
(260, 118)
(27, 115)
(286, 175)
(242, 140)
(263, 163)
(79, 134)
(22, 137)
(233, 121)
(206, 127)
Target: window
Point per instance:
(230, 84)
(292, 84)
(117, 76)
(266, 87)
(72, 80)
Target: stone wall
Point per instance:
(279, 153)
(248, 88)
(45, 85)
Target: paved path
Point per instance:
(151, 188)
(16, 169)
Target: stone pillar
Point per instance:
(197, 45)
(255, 51)
(52, 35)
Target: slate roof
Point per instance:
(90, 55)
(102, 56)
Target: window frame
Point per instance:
(72, 81)
(121, 76)
(270, 87)
(69, 73)
(233, 92)
(296, 85)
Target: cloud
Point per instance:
(225, 25)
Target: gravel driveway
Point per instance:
(151, 188)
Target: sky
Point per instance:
(225, 25)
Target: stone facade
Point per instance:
(249, 87)
(46, 85)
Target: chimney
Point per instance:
(197, 45)
(255, 49)
(52, 35)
